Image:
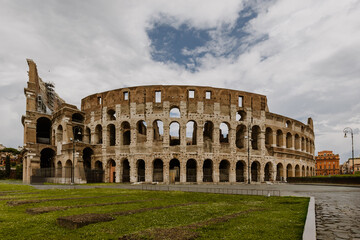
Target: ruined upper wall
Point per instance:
(46, 100)
(174, 95)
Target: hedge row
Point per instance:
(14, 174)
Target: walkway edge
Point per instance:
(310, 225)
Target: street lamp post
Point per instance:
(346, 131)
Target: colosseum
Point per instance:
(163, 134)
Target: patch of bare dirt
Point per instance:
(77, 221)
(186, 232)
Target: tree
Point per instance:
(7, 166)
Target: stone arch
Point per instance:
(98, 165)
(77, 133)
(125, 170)
(47, 157)
(289, 172)
(303, 171)
(297, 171)
(43, 130)
(288, 124)
(191, 133)
(59, 134)
(255, 137)
(111, 130)
(87, 135)
(279, 172)
(268, 136)
(158, 170)
(174, 169)
(279, 138)
(141, 128)
(87, 155)
(255, 171)
(140, 165)
(208, 131)
(240, 136)
(175, 112)
(68, 170)
(268, 176)
(111, 168)
(158, 127)
(307, 171)
(208, 171)
(174, 133)
(297, 142)
(240, 171)
(224, 130)
(126, 133)
(98, 134)
(224, 170)
(191, 170)
(303, 144)
(111, 115)
(289, 140)
(58, 170)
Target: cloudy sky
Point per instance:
(304, 55)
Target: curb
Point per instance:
(310, 225)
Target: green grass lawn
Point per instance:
(207, 216)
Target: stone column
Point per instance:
(166, 166)
(216, 171)
(232, 172)
(199, 171)
(148, 170)
(133, 170)
(182, 170)
(118, 171)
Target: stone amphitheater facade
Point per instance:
(160, 133)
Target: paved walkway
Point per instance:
(337, 207)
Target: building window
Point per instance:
(208, 95)
(240, 101)
(191, 93)
(158, 96)
(126, 95)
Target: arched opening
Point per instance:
(255, 168)
(224, 133)
(111, 165)
(158, 170)
(111, 134)
(208, 136)
(268, 172)
(77, 133)
(279, 138)
(240, 115)
(191, 170)
(158, 127)
(255, 137)
(68, 170)
(289, 171)
(207, 171)
(288, 140)
(175, 112)
(297, 171)
(224, 169)
(98, 134)
(240, 136)
(303, 171)
(111, 115)
(174, 168)
(97, 173)
(87, 154)
(297, 142)
(268, 137)
(174, 134)
(240, 171)
(87, 135)
(307, 171)
(279, 172)
(141, 131)
(303, 144)
(126, 136)
(140, 170)
(126, 171)
(58, 170)
(77, 117)
(43, 130)
(59, 134)
(288, 124)
(191, 130)
(47, 156)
